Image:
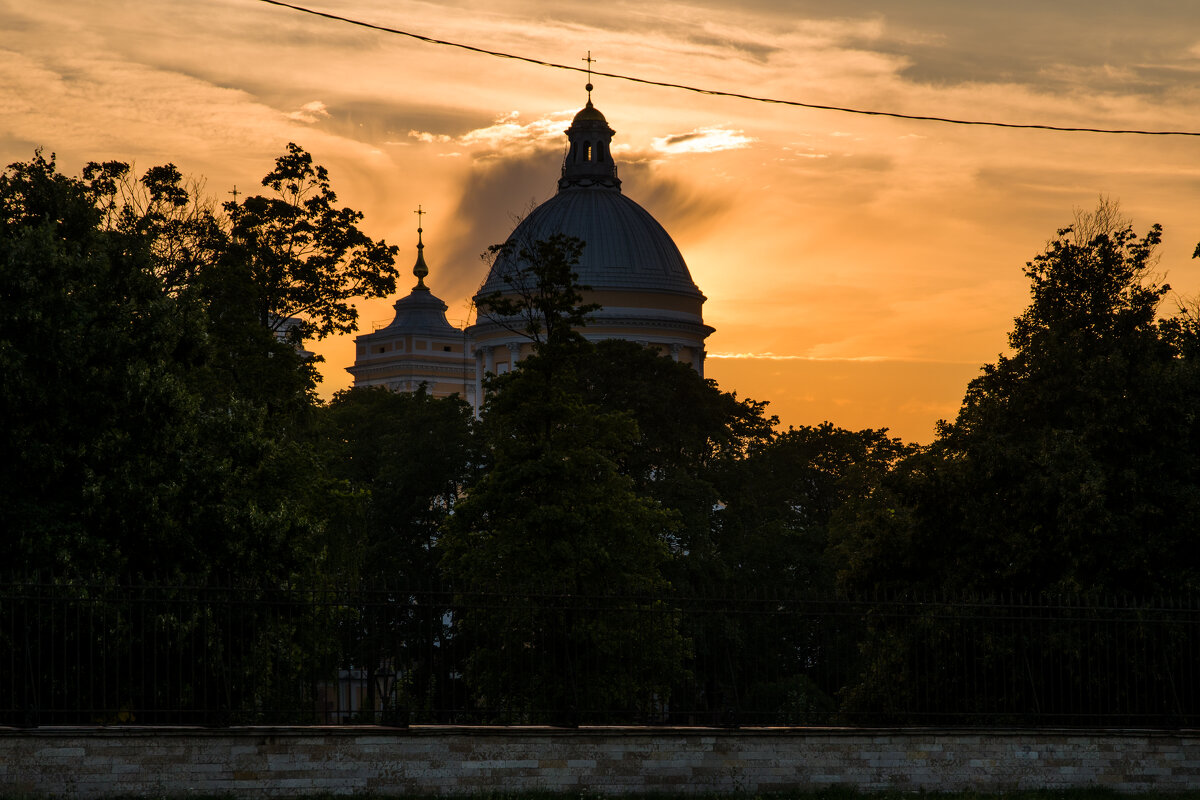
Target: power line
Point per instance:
(717, 92)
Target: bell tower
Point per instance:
(589, 160)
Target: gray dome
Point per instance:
(624, 246)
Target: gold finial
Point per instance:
(420, 269)
(589, 61)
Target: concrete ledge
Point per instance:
(269, 762)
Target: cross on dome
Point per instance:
(589, 61)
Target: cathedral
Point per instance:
(633, 268)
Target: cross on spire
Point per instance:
(420, 269)
(234, 193)
(589, 61)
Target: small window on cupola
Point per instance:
(587, 151)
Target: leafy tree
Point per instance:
(783, 498)
(402, 459)
(304, 257)
(1071, 468)
(555, 533)
(94, 406)
(168, 216)
(551, 537)
(158, 426)
(1072, 464)
(690, 438)
(405, 458)
(542, 298)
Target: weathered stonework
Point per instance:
(293, 762)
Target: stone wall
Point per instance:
(278, 762)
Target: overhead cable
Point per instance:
(719, 93)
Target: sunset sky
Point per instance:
(858, 269)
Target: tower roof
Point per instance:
(421, 311)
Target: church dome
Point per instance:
(625, 248)
(633, 270)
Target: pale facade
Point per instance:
(419, 347)
(635, 271)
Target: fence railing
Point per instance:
(227, 656)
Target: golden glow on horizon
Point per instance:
(868, 265)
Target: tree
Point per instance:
(402, 460)
(405, 458)
(168, 216)
(784, 497)
(1072, 464)
(1071, 468)
(92, 352)
(304, 257)
(542, 298)
(558, 561)
(690, 438)
(155, 428)
(556, 554)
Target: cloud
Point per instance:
(495, 193)
(508, 135)
(310, 112)
(703, 140)
(680, 206)
(431, 138)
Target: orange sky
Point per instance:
(858, 269)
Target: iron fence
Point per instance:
(222, 655)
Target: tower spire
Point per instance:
(420, 269)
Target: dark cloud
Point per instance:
(679, 138)
(951, 42)
(497, 194)
(379, 121)
(678, 206)
(747, 48)
(947, 42)
(500, 192)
